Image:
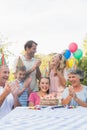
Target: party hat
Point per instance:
(45, 73)
(2, 60)
(19, 63)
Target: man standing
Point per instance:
(31, 63)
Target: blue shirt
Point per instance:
(23, 98)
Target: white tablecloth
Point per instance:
(23, 118)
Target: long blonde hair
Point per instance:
(61, 64)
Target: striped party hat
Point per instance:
(19, 63)
(2, 60)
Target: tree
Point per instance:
(85, 46)
(83, 65)
(4, 45)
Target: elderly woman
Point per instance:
(76, 93)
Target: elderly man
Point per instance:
(8, 92)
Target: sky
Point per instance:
(53, 24)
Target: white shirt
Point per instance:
(7, 105)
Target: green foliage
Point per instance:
(85, 45)
(67, 83)
(44, 61)
(82, 64)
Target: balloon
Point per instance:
(67, 54)
(72, 62)
(73, 47)
(78, 54)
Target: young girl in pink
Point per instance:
(35, 97)
(57, 80)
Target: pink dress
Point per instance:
(34, 98)
(55, 86)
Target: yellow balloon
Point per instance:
(72, 62)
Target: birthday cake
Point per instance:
(49, 100)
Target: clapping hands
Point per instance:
(7, 87)
(72, 92)
(37, 64)
(12, 87)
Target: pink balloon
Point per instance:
(73, 47)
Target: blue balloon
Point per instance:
(67, 54)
